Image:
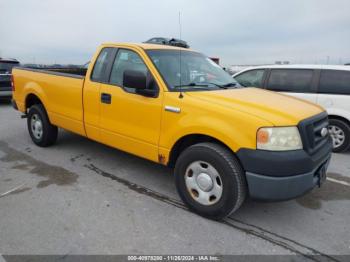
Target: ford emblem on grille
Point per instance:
(324, 132)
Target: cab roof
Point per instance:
(147, 46)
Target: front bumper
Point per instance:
(277, 176)
(284, 188)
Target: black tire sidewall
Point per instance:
(346, 129)
(47, 128)
(228, 176)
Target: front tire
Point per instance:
(42, 132)
(340, 133)
(210, 180)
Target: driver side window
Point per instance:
(128, 60)
(252, 78)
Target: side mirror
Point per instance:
(138, 80)
(134, 79)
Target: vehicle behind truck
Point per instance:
(176, 107)
(6, 66)
(326, 85)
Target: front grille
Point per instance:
(310, 131)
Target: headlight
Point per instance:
(278, 138)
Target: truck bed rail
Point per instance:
(58, 72)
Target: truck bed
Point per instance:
(60, 91)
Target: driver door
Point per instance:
(130, 121)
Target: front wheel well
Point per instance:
(345, 120)
(188, 141)
(31, 100)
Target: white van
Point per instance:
(326, 85)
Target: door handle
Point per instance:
(106, 98)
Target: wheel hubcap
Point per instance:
(36, 126)
(337, 134)
(203, 182)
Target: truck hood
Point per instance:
(278, 109)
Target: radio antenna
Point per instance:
(180, 95)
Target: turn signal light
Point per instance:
(262, 136)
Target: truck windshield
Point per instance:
(195, 72)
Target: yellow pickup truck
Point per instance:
(177, 107)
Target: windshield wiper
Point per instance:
(203, 84)
(206, 84)
(232, 84)
(193, 84)
(217, 85)
(225, 86)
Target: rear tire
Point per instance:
(210, 180)
(42, 132)
(340, 133)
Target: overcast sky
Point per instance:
(239, 32)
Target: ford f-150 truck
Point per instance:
(177, 107)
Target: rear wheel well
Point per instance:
(32, 100)
(188, 141)
(346, 121)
